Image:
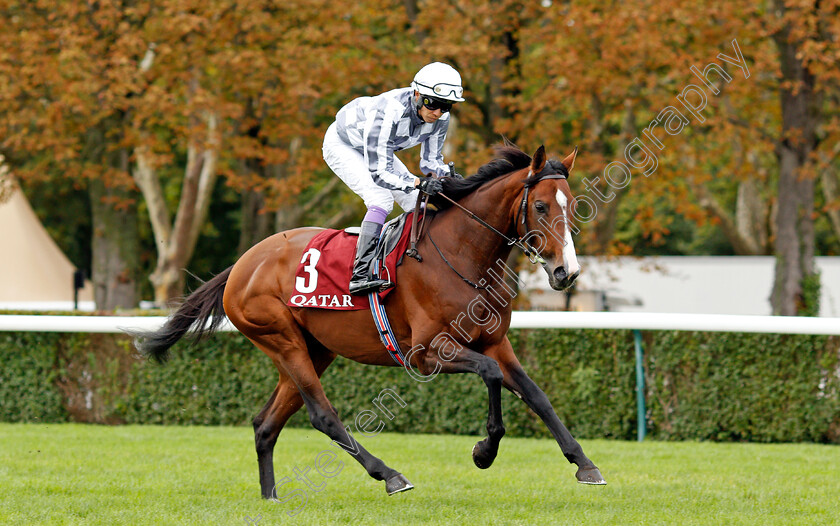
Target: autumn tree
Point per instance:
(747, 161)
(172, 97)
(807, 37)
(164, 98)
(65, 71)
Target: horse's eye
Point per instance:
(540, 207)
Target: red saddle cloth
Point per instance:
(323, 275)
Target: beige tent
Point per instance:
(33, 270)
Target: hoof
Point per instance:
(590, 475)
(397, 483)
(482, 455)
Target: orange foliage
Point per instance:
(75, 85)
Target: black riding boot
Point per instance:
(362, 282)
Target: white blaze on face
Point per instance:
(570, 262)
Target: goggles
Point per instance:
(433, 104)
(445, 90)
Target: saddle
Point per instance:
(323, 273)
(388, 239)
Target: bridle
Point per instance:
(549, 171)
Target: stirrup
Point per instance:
(370, 285)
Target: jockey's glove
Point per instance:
(430, 186)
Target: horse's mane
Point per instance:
(508, 159)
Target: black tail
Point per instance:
(202, 306)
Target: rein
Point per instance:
(484, 223)
(464, 278)
(531, 252)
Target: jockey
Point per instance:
(359, 147)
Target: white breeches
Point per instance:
(350, 166)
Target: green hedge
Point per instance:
(704, 386)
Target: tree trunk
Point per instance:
(293, 214)
(115, 247)
(831, 193)
(747, 229)
(606, 224)
(794, 244)
(751, 216)
(6, 186)
(256, 223)
(411, 12)
(176, 243)
(504, 58)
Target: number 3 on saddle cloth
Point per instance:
(324, 271)
(323, 275)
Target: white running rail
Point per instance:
(520, 320)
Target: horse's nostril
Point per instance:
(560, 273)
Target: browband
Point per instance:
(552, 170)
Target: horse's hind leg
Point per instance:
(296, 361)
(283, 403)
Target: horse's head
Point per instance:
(544, 218)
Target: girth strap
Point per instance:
(383, 327)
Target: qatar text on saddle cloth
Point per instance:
(322, 277)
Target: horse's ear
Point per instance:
(538, 163)
(569, 161)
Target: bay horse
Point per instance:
(443, 309)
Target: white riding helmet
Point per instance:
(440, 81)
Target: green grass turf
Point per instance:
(83, 474)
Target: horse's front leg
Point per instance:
(469, 361)
(517, 381)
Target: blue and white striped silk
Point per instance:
(387, 123)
